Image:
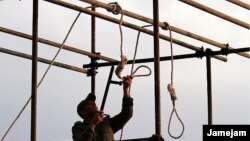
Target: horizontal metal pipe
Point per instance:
(146, 60)
(227, 51)
(216, 13)
(26, 56)
(51, 43)
(139, 139)
(58, 45)
(176, 57)
(240, 3)
(207, 40)
(152, 138)
(163, 25)
(117, 21)
(127, 24)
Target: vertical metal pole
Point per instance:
(107, 88)
(157, 68)
(209, 87)
(93, 50)
(34, 71)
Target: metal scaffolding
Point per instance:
(199, 52)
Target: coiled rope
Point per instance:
(40, 82)
(171, 89)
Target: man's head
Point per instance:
(87, 107)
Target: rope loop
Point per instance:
(172, 92)
(169, 124)
(171, 88)
(141, 75)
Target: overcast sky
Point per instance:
(63, 89)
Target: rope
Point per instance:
(92, 6)
(141, 75)
(132, 68)
(135, 53)
(136, 47)
(40, 82)
(117, 9)
(171, 89)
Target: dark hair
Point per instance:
(90, 97)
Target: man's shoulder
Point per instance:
(78, 124)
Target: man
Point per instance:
(95, 126)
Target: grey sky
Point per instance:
(63, 89)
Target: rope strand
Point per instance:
(117, 9)
(171, 89)
(40, 82)
(141, 75)
(171, 115)
(136, 47)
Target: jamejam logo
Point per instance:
(226, 132)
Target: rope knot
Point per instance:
(167, 26)
(121, 66)
(116, 8)
(171, 90)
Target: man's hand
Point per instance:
(127, 81)
(98, 118)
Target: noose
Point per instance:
(117, 9)
(136, 48)
(133, 72)
(171, 89)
